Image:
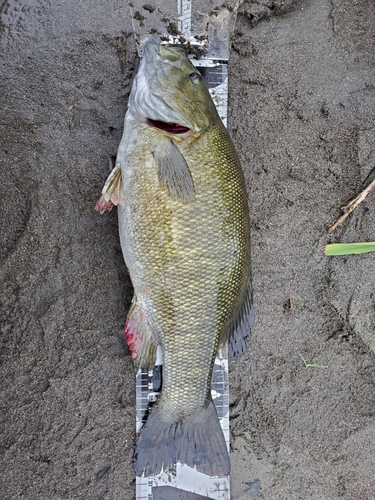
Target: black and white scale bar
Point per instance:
(184, 480)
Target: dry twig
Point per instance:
(353, 204)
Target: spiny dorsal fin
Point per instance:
(239, 332)
(173, 171)
(111, 192)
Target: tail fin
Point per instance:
(197, 441)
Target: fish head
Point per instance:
(169, 93)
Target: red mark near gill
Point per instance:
(171, 128)
(133, 337)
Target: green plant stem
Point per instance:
(349, 248)
(311, 365)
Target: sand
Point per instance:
(301, 114)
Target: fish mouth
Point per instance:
(170, 128)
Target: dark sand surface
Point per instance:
(301, 113)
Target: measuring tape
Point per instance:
(206, 33)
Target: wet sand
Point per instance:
(301, 114)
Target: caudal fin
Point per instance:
(197, 441)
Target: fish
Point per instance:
(185, 236)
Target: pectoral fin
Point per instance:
(173, 171)
(111, 192)
(239, 332)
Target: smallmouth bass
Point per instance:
(185, 236)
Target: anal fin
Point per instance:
(140, 340)
(111, 192)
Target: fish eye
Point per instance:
(195, 77)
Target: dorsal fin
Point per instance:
(239, 332)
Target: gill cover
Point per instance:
(169, 89)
